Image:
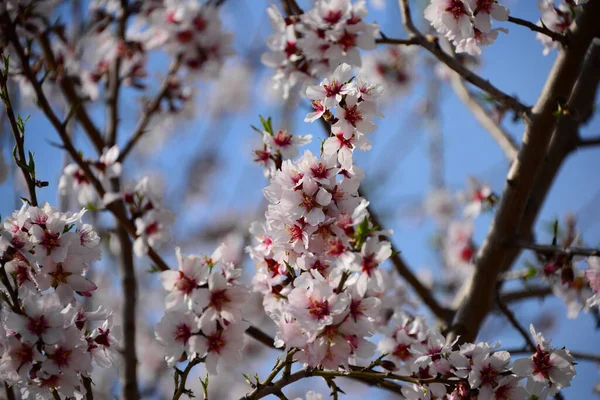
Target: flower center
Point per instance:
(319, 309)
(182, 333)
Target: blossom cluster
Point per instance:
(576, 287)
(203, 311)
(392, 68)
(556, 18)
(349, 105)
(183, 29)
(456, 230)
(277, 147)
(73, 180)
(467, 23)
(190, 30)
(48, 341)
(318, 255)
(152, 220)
(473, 370)
(311, 45)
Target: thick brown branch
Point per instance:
(504, 140)
(541, 29)
(431, 44)
(477, 297)
(150, 109)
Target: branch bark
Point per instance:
(510, 218)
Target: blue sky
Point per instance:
(514, 63)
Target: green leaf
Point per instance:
(267, 125)
(6, 60)
(31, 164)
(153, 269)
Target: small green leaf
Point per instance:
(153, 270)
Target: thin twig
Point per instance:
(528, 293)
(588, 142)
(431, 44)
(548, 249)
(180, 390)
(261, 337)
(404, 42)
(150, 109)
(562, 39)
(67, 86)
(19, 141)
(504, 140)
(114, 81)
(515, 323)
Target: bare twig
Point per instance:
(150, 109)
(515, 323)
(548, 249)
(405, 42)
(562, 39)
(114, 81)
(589, 142)
(504, 140)
(261, 337)
(515, 296)
(477, 297)
(430, 44)
(68, 87)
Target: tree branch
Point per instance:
(150, 109)
(489, 263)
(129, 289)
(557, 37)
(548, 249)
(588, 142)
(19, 141)
(504, 140)
(114, 81)
(528, 293)
(515, 323)
(68, 88)
(431, 44)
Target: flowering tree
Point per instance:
(330, 293)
